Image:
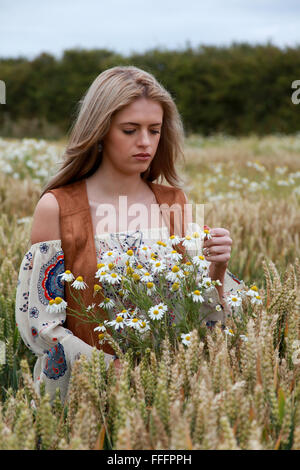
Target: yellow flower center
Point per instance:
(150, 285)
(51, 302)
(103, 273)
(172, 237)
(196, 292)
(119, 319)
(157, 264)
(58, 300)
(111, 265)
(109, 253)
(188, 237)
(230, 331)
(143, 324)
(175, 269)
(135, 320)
(101, 336)
(196, 235)
(175, 286)
(156, 312)
(201, 257)
(206, 231)
(124, 311)
(67, 271)
(106, 300)
(129, 270)
(188, 263)
(136, 277)
(129, 252)
(258, 296)
(139, 266)
(187, 338)
(254, 288)
(97, 287)
(114, 275)
(100, 265)
(234, 299)
(79, 279)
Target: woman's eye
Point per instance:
(131, 132)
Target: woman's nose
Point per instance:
(143, 138)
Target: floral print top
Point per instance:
(54, 345)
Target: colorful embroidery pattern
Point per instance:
(233, 277)
(28, 266)
(56, 364)
(25, 306)
(44, 247)
(33, 312)
(49, 284)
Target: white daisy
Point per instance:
(150, 288)
(253, 291)
(128, 256)
(155, 313)
(66, 276)
(113, 278)
(100, 327)
(118, 323)
(174, 256)
(143, 326)
(124, 313)
(107, 303)
(102, 338)
(256, 300)
(234, 300)
(133, 322)
(110, 256)
(175, 274)
(206, 234)
(196, 296)
(147, 277)
(188, 266)
(79, 283)
(162, 306)
(189, 242)
(100, 268)
(207, 283)
(186, 338)
(56, 305)
(90, 307)
(175, 287)
(228, 332)
(199, 261)
(244, 338)
(157, 267)
(218, 308)
(174, 240)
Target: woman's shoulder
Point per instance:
(45, 226)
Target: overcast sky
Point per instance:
(29, 27)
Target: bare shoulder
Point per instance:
(45, 224)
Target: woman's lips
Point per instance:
(142, 158)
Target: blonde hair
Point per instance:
(110, 92)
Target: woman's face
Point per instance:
(135, 129)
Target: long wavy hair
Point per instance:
(110, 92)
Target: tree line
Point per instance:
(237, 90)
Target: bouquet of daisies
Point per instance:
(150, 292)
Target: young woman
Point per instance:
(128, 133)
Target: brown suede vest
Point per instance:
(78, 245)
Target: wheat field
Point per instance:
(220, 392)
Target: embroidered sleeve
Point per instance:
(43, 332)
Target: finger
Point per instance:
(218, 250)
(219, 232)
(217, 241)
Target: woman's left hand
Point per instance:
(217, 249)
